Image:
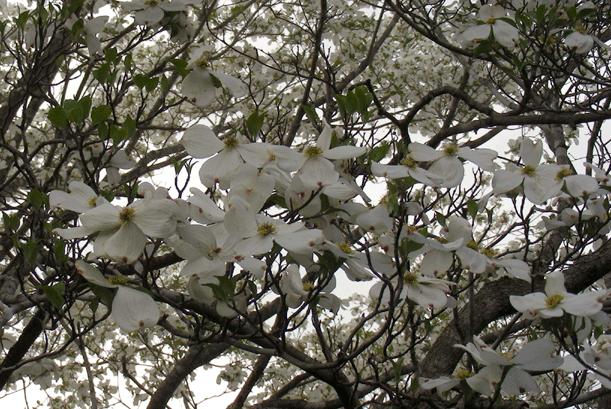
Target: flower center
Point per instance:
(411, 229)
(410, 279)
(230, 142)
(529, 170)
(213, 252)
(118, 280)
(126, 215)
(488, 252)
(409, 162)
(308, 286)
(345, 247)
(553, 300)
(451, 149)
(312, 152)
(266, 229)
(151, 3)
(202, 63)
(564, 172)
(92, 202)
(463, 373)
(473, 245)
(491, 20)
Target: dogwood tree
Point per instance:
(305, 204)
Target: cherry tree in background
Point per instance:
(193, 183)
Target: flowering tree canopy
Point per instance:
(319, 204)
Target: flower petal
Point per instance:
(531, 152)
(101, 218)
(200, 142)
(156, 217)
(449, 169)
(506, 180)
(345, 152)
(126, 244)
(133, 309)
(423, 153)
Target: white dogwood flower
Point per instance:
(445, 163)
(540, 181)
(131, 309)
(534, 356)
(152, 11)
(122, 231)
(315, 167)
(556, 300)
(80, 199)
(579, 43)
(492, 24)
(293, 237)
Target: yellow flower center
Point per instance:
(451, 149)
(529, 170)
(488, 252)
(409, 162)
(126, 215)
(410, 279)
(230, 142)
(92, 202)
(473, 245)
(266, 229)
(564, 172)
(118, 280)
(345, 247)
(463, 373)
(214, 252)
(554, 300)
(308, 286)
(151, 3)
(491, 20)
(312, 152)
(411, 229)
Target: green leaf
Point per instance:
(128, 62)
(77, 111)
(100, 114)
(227, 285)
(30, 251)
(11, 222)
(102, 73)
(310, 113)
(59, 251)
(379, 152)
(58, 117)
(103, 131)
(110, 55)
(93, 305)
(407, 246)
(441, 219)
(472, 208)
(117, 133)
(22, 19)
(130, 126)
(215, 81)
(37, 199)
(276, 200)
(55, 294)
(71, 6)
(145, 82)
(105, 295)
(363, 101)
(180, 66)
(254, 123)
